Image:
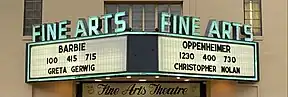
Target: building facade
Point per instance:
(265, 16)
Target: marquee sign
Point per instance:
(226, 53)
(178, 55)
(141, 89)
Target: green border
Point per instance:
(70, 77)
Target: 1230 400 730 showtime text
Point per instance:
(193, 65)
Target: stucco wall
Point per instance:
(12, 50)
(273, 53)
(274, 49)
(54, 89)
(57, 10)
(228, 10)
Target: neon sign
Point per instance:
(185, 25)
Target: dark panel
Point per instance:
(142, 53)
(79, 89)
(203, 89)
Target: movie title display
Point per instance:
(206, 57)
(78, 57)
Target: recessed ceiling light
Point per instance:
(142, 80)
(98, 80)
(107, 78)
(156, 76)
(128, 76)
(187, 80)
(178, 77)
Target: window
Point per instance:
(252, 13)
(144, 16)
(32, 15)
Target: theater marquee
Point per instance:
(176, 49)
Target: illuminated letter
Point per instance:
(163, 23)
(81, 28)
(195, 25)
(43, 34)
(236, 32)
(247, 32)
(225, 28)
(35, 32)
(119, 22)
(95, 25)
(173, 27)
(184, 24)
(63, 29)
(107, 23)
(212, 30)
(51, 31)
